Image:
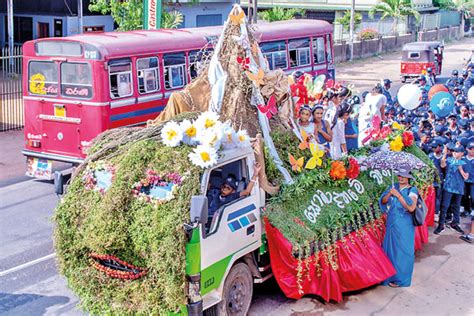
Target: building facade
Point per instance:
(49, 18)
(204, 13)
(331, 10)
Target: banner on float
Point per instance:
(151, 14)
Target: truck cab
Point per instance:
(225, 253)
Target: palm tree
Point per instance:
(280, 14)
(464, 7)
(171, 20)
(396, 9)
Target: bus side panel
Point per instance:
(138, 108)
(136, 114)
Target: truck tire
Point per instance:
(237, 292)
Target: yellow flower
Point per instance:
(396, 144)
(395, 125)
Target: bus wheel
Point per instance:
(237, 293)
(403, 79)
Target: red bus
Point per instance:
(79, 86)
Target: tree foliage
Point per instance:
(462, 6)
(345, 20)
(280, 14)
(396, 9)
(128, 14)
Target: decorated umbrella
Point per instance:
(394, 160)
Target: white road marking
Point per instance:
(26, 265)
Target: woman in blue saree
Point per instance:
(399, 202)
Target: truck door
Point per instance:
(233, 231)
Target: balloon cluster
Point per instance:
(441, 101)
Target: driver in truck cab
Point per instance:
(228, 191)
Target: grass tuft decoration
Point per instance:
(122, 225)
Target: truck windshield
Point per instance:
(76, 80)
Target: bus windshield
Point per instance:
(76, 80)
(43, 78)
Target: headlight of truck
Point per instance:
(194, 288)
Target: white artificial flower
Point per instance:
(189, 132)
(211, 137)
(203, 156)
(207, 120)
(229, 137)
(243, 139)
(171, 134)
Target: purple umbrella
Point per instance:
(393, 160)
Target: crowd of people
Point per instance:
(339, 121)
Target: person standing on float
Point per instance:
(374, 105)
(399, 241)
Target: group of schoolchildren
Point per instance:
(339, 122)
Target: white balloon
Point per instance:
(409, 96)
(470, 95)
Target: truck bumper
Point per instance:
(195, 309)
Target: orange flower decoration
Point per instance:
(338, 171)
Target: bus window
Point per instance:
(275, 53)
(328, 48)
(319, 53)
(148, 71)
(197, 60)
(299, 52)
(76, 80)
(120, 78)
(43, 78)
(175, 69)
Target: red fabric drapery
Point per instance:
(359, 257)
(359, 260)
(421, 232)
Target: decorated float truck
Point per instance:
(134, 235)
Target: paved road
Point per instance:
(30, 284)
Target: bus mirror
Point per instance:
(199, 209)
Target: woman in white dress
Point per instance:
(374, 105)
(338, 145)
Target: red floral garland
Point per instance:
(118, 274)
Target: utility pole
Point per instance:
(351, 31)
(252, 11)
(80, 23)
(10, 30)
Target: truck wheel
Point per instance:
(404, 79)
(237, 293)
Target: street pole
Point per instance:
(79, 17)
(10, 31)
(351, 31)
(255, 15)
